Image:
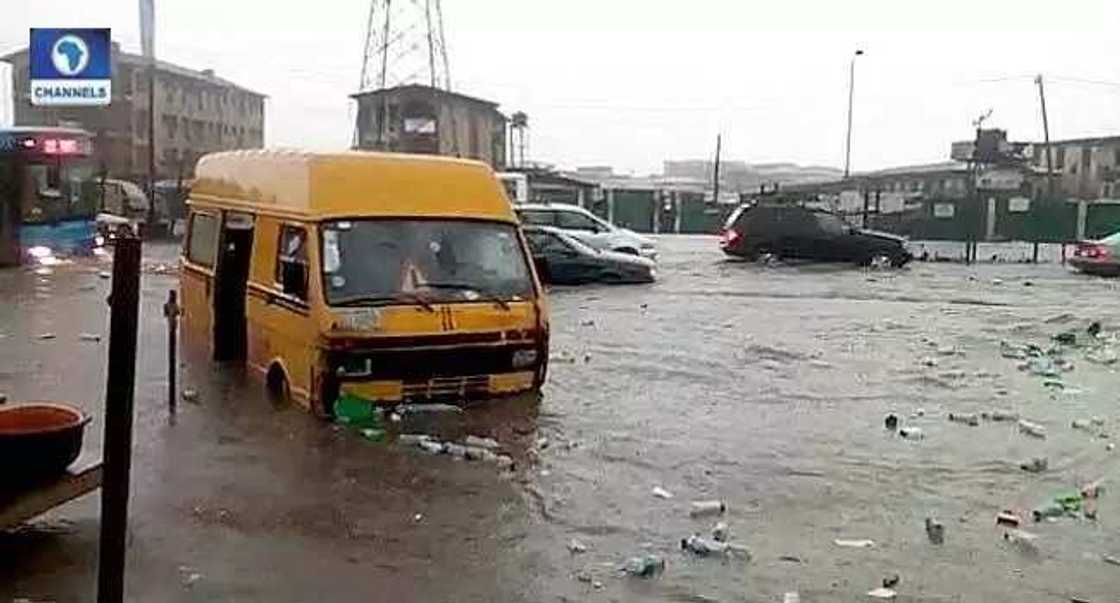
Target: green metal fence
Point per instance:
(1102, 219)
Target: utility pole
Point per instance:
(974, 166)
(851, 97)
(148, 49)
(1050, 159)
(1046, 137)
(1049, 155)
(151, 143)
(715, 171)
(383, 123)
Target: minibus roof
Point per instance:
(350, 184)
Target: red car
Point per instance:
(1101, 257)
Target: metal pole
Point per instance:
(851, 97)
(124, 302)
(171, 311)
(866, 205)
(151, 143)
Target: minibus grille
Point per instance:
(423, 365)
(444, 387)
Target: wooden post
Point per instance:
(124, 302)
(171, 311)
(715, 171)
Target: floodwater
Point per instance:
(762, 386)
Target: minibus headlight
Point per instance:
(354, 366)
(524, 358)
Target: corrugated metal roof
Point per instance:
(426, 89)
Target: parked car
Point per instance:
(1101, 257)
(563, 259)
(797, 232)
(587, 227)
(124, 209)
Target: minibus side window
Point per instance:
(291, 265)
(202, 241)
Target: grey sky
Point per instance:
(629, 83)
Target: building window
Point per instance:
(1060, 158)
(1116, 157)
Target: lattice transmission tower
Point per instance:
(404, 45)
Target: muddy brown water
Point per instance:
(765, 387)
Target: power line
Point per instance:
(1078, 80)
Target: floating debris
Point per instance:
(576, 547)
(1000, 415)
(662, 493)
(855, 544)
(1082, 424)
(479, 442)
(1008, 518)
(413, 439)
(935, 530)
(891, 422)
(408, 409)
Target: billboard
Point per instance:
(70, 67)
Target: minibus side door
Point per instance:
(200, 255)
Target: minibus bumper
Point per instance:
(440, 388)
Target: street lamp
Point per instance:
(851, 94)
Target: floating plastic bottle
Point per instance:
(707, 507)
(700, 546)
(720, 532)
(912, 433)
(1032, 429)
(645, 566)
(1001, 415)
(966, 418)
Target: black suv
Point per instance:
(796, 232)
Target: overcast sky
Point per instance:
(630, 83)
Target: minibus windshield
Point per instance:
(385, 261)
